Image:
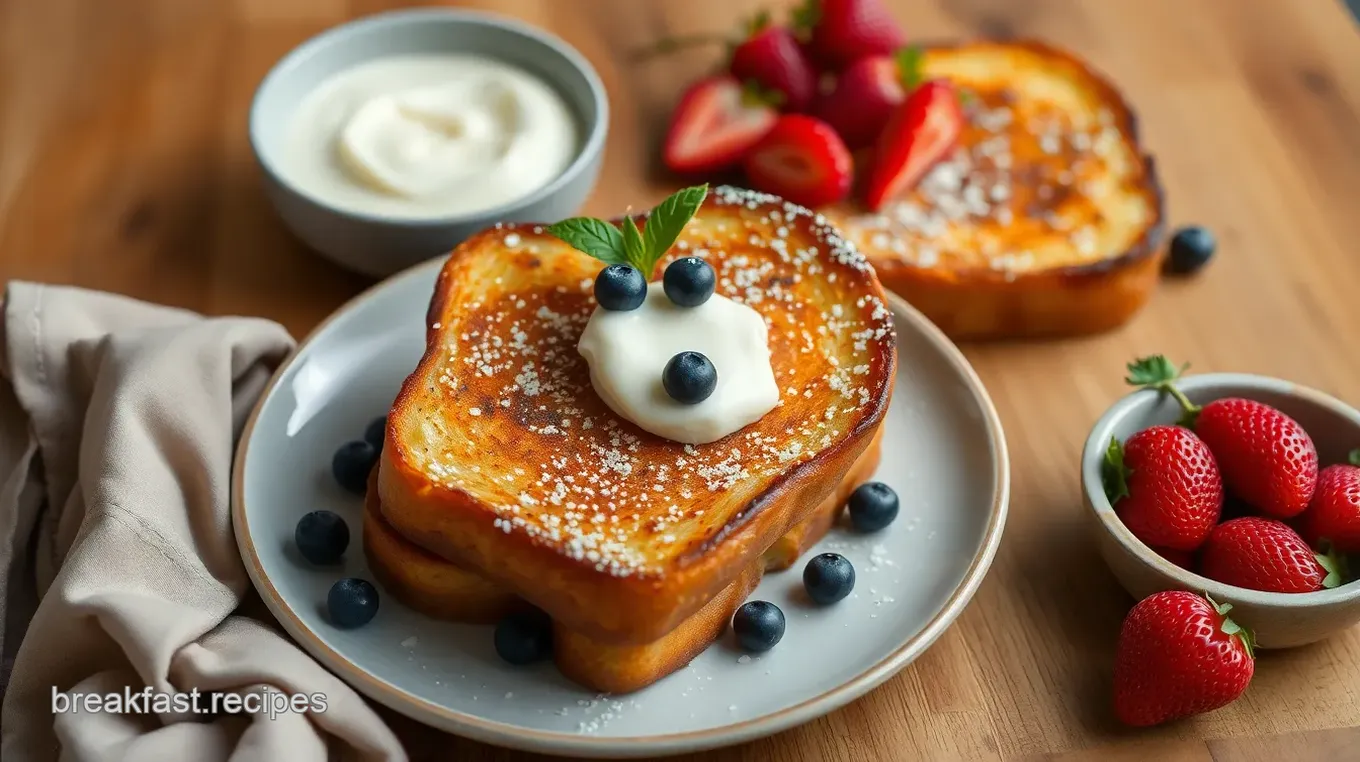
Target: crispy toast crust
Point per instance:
(441, 589)
(500, 457)
(1090, 272)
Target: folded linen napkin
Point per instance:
(118, 567)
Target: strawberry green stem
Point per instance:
(1334, 564)
(1231, 628)
(1354, 457)
(676, 43)
(1158, 373)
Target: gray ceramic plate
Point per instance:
(943, 452)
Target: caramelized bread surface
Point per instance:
(1047, 218)
(501, 457)
(445, 590)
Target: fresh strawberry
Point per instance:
(771, 57)
(1333, 516)
(844, 30)
(921, 131)
(1265, 456)
(715, 125)
(803, 160)
(1164, 486)
(866, 93)
(1179, 655)
(1265, 554)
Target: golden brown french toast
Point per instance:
(500, 456)
(445, 590)
(1046, 220)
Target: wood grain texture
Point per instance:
(124, 166)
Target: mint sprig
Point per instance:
(641, 249)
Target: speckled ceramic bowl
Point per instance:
(1279, 620)
(378, 245)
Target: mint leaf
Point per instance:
(1354, 457)
(667, 222)
(909, 67)
(633, 247)
(595, 237)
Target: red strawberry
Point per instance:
(771, 57)
(1164, 486)
(1265, 554)
(1178, 655)
(714, 126)
(844, 30)
(866, 94)
(921, 131)
(1333, 517)
(1265, 456)
(803, 160)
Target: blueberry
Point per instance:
(352, 464)
(873, 505)
(828, 578)
(620, 288)
(688, 281)
(322, 537)
(524, 637)
(376, 432)
(352, 603)
(689, 378)
(1191, 248)
(758, 625)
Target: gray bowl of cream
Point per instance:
(389, 140)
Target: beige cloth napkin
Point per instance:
(118, 567)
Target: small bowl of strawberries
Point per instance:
(1244, 488)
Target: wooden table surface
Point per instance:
(124, 166)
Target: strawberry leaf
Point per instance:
(1114, 474)
(1157, 372)
(1354, 457)
(758, 22)
(909, 69)
(595, 237)
(1153, 371)
(1231, 628)
(756, 95)
(806, 16)
(1334, 565)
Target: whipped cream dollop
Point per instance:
(429, 135)
(628, 350)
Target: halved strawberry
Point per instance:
(844, 30)
(716, 123)
(802, 160)
(772, 57)
(865, 94)
(920, 132)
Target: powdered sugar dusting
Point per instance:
(597, 489)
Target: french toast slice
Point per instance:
(499, 455)
(1047, 219)
(445, 590)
